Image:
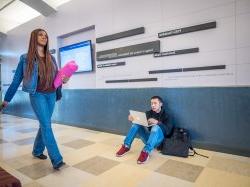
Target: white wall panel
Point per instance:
(243, 55)
(131, 13)
(243, 30)
(243, 76)
(227, 44)
(180, 7)
(242, 7)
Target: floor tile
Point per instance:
(78, 134)
(25, 141)
(111, 154)
(160, 180)
(12, 135)
(122, 175)
(230, 165)
(102, 137)
(231, 156)
(64, 149)
(92, 131)
(217, 178)
(114, 141)
(27, 130)
(180, 170)
(96, 165)
(65, 139)
(65, 178)
(33, 184)
(154, 162)
(79, 143)
(37, 170)
(11, 150)
(85, 153)
(21, 161)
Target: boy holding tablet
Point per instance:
(151, 136)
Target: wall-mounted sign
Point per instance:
(202, 68)
(119, 35)
(131, 80)
(177, 52)
(129, 51)
(165, 71)
(111, 64)
(183, 30)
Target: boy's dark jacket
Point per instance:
(162, 117)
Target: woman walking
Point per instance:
(37, 70)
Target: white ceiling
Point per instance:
(4, 3)
(14, 13)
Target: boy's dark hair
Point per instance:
(157, 97)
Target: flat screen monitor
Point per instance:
(81, 53)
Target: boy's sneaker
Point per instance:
(144, 156)
(123, 150)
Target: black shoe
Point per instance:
(42, 157)
(59, 165)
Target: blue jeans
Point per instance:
(43, 106)
(151, 139)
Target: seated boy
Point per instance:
(151, 136)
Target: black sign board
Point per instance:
(131, 80)
(129, 51)
(111, 64)
(177, 52)
(165, 71)
(119, 35)
(203, 68)
(183, 30)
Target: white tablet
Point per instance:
(140, 118)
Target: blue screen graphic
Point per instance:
(80, 53)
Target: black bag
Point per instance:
(58, 93)
(179, 144)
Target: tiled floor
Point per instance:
(90, 161)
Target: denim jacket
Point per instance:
(29, 85)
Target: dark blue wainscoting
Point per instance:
(218, 118)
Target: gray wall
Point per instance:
(218, 118)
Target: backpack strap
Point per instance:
(195, 153)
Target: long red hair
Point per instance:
(46, 74)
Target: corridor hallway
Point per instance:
(91, 161)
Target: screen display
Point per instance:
(81, 53)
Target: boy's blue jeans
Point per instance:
(43, 106)
(151, 139)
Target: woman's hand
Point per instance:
(65, 79)
(152, 121)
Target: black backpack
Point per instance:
(179, 144)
